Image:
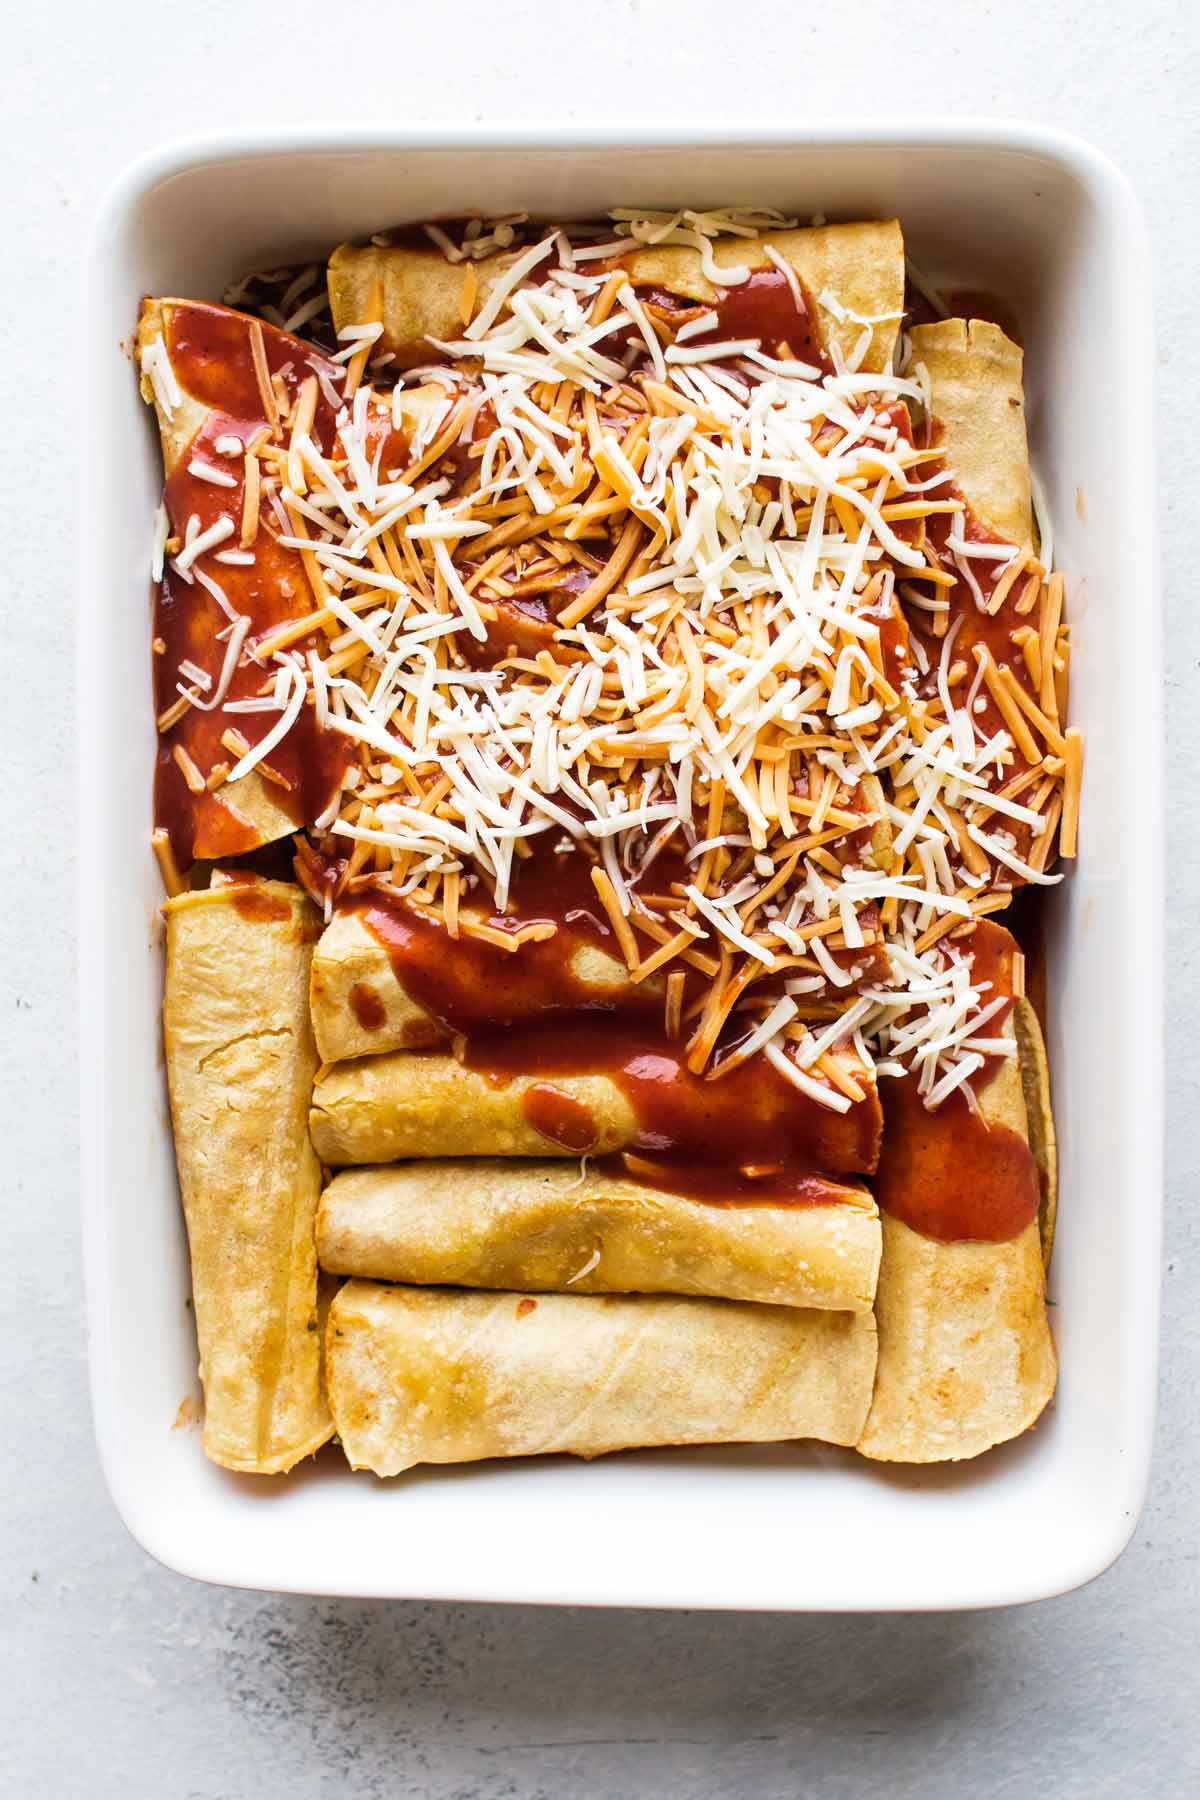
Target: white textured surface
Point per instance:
(124, 1680)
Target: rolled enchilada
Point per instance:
(853, 277)
(240, 1065)
(428, 1375)
(215, 379)
(966, 1356)
(544, 1226)
(966, 1359)
(641, 1097)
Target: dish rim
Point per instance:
(1110, 191)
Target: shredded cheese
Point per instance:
(716, 536)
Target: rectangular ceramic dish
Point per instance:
(1049, 224)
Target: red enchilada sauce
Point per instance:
(764, 306)
(367, 1007)
(978, 625)
(209, 348)
(964, 303)
(560, 1118)
(753, 1127)
(470, 986)
(950, 1174)
(254, 902)
(525, 623)
(973, 625)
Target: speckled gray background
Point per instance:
(122, 1680)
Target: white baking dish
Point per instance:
(1017, 209)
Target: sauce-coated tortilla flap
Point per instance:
(860, 267)
(437, 1376)
(966, 1359)
(360, 1007)
(546, 1226)
(251, 798)
(178, 426)
(240, 1065)
(975, 377)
